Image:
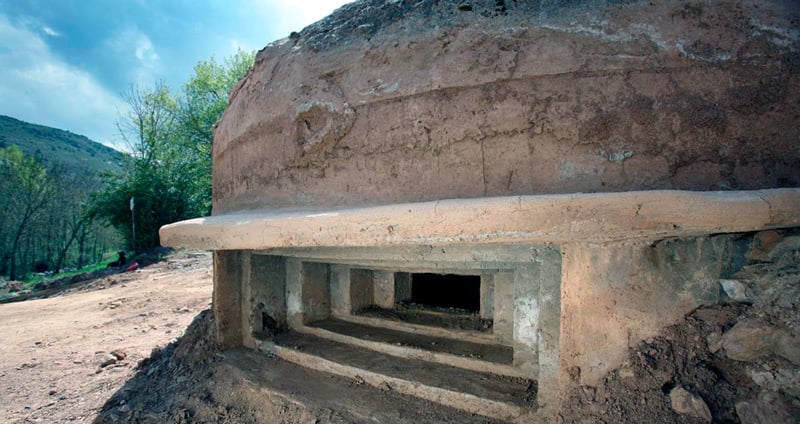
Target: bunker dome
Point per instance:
(585, 172)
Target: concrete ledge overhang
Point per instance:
(562, 218)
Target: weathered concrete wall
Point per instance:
(614, 296)
(227, 301)
(265, 294)
(389, 102)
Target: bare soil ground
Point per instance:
(52, 349)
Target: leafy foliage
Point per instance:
(44, 223)
(170, 137)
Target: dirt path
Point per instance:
(51, 349)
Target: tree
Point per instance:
(149, 122)
(70, 214)
(27, 188)
(170, 137)
(204, 99)
(157, 175)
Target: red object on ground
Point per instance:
(132, 267)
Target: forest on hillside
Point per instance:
(66, 213)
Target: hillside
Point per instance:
(52, 145)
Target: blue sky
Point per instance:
(63, 63)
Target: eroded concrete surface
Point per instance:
(389, 102)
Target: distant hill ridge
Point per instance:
(53, 146)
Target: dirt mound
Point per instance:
(740, 359)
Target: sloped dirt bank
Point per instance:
(737, 362)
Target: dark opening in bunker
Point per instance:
(447, 291)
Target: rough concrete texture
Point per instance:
(592, 218)
(403, 101)
(612, 298)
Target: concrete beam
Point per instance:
(593, 218)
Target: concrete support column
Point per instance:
(246, 306)
(487, 296)
(294, 292)
(384, 289)
(316, 291)
(549, 340)
(226, 301)
(526, 318)
(361, 289)
(503, 326)
(341, 304)
(402, 286)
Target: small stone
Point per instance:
(687, 403)
(465, 6)
(118, 354)
(735, 290)
(763, 243)
(626, 373)
(107, 359)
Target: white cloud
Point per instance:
(38, 87)
(50, 31)
(133, 46)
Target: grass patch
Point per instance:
(32, 280)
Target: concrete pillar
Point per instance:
(226, 300)
(549, 340)
(341, 303)
(316, 291)
(384, 289)
(361, 289)
(526, 318)
(487, 296)
(294, 292)
(246, 307)
(503, 326)
(402, 286)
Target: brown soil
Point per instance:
(52, 348)
(52, 351)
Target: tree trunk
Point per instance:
(63, 251)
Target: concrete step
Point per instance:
(482, 357)
(399, 324)
(507, 398)
(280, 391)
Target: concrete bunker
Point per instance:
(333, 295)
(593, 169)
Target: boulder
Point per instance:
(767, 408)
(686, 403)
(751, 339)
